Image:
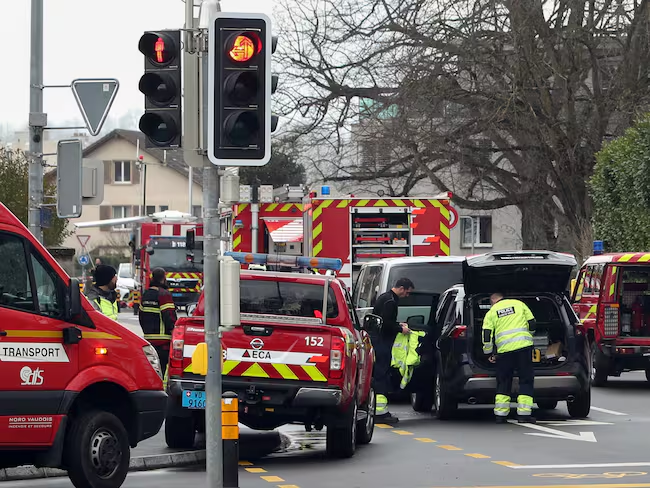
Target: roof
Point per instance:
(621, 258)
(173, 158)
(419, 259)
(305, 278)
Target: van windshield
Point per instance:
(285, 298)
(125, 271)
(430, 280)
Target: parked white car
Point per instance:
(125, 280)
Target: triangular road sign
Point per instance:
(94, 97)
(83, 240)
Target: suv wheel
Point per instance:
(599, 366)
(179, 432)
(366, 427)
(547, 404)
(446, 406)
(341, 440)
(580, 407)
(422, 401)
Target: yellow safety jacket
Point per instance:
(506, 326)
(404, 355)
(104, 305)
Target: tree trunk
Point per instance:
(537, 225)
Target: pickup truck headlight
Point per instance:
(153, 358)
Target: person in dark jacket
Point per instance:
(157, 316)
(386, 307)
(102, 294)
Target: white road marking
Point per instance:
(558, 434)
(572, 422)
(611, 412)
(580, 466)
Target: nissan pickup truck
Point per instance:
(300, 355)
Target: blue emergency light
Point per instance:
(324, 190)
(286, 260)
(599, 248)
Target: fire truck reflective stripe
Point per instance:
(444, 230)
(362, 203)
(625, 257)
(228, 366)
(444, 248)
(286, 207)
(314, 373)
(317, 230)
(285, 371)
(271, 207)
(318, 248)
(255, 371)
(58, 335)
(343, 204)
(236, 241)
(418, 203)
(380, 203)
(644, 258)
(611, 289)
(398, 203)
(319, 208)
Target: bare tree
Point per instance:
(501, 102)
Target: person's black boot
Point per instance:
(527, 419)
(501, 420)
(386, 418)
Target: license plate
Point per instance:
(537, 356)
(177, 294)
(194, 399)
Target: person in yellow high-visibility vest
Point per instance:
(507, 327)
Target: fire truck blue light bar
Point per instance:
(284, 260)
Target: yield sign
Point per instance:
(94, 97)
(83, 240)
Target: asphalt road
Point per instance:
(610, 450)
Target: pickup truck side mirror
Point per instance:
(372, 322)
(73, 302)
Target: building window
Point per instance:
(121, 212)
(196, 211)
(164, 208)
(482, 231)
(151, 209)
(122, 171)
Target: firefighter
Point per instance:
(382, 341)
(507, 327)
(102, 294)
(157, 316)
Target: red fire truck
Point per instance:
(355, 230)
(178, 248)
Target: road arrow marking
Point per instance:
(572, 422)
(611, 412)
(558, 434)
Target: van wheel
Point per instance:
(422, 401)
(446, 406)
(599, 366)
(97, 451)
(366, 427)
(341, 440)
(647, 374)
(180, 432)
(547, 404)
(580, 407)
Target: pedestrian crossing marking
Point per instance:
(450, 448)
(256, 470)
(271, 479)
(505, 463)
(478, 456)
(402, 432)
(384, 426)
(424, 439)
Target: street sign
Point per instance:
(94, 97)
(92, 187)
(84, 260)
(68, 172)
(83, 240)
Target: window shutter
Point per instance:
(135, 173)
(104, 214)
(108, 172)
(135, 210)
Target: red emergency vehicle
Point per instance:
(354, 230)
(612, 299)
(299, 355)
(165, 245)
(78, 390)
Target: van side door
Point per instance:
(35, 365)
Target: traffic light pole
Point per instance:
(37, 121)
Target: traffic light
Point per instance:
(161, 85)
(240, 87)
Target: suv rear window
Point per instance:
(285, 298)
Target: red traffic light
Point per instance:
(243, 46)
(159, 48)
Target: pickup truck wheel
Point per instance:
(599, 366)
(97, 451)
(366, 427)
(446, 406)
(580, 407)
(180, 432)
(341, 440)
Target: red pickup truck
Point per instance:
(285, 361)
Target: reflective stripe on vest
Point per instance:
(161, 336)
(108, 308)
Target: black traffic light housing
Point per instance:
(161, 86)
(240, 88)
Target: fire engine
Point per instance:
(355, 230)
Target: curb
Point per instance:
(141, 463)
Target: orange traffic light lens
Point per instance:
(242, 49)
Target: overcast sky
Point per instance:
(85, 39)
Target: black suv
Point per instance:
(561, 351)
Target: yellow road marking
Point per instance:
(590, 485)
(478, 456)
(245, 463)
(256, 470)
(271, 479)
(288, 486)
(424, 439)
(384, 426)
(450, 448)
(403, 432)
(505, 463)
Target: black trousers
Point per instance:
(520, 361)
(381, 371)
(163, 354)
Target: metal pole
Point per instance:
(190, 176)
(255, 214)
(36, 120)
(144, 189)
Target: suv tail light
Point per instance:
(459, 332)
(176, 356)
(337, 357)
(611, 320)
